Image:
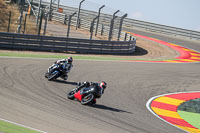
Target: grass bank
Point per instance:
(7, 127)
(191, 118)
(82, 57)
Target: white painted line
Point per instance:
(151, 99)
(23, 125)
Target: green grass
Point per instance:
(191, 118)
(74, 56)
(6, 127)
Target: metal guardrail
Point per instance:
(163, 29)
(46, 43)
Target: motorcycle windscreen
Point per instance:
(86, 90)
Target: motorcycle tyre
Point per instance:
(88, 101)
(46, 75)
(70, 95)
(53, 77)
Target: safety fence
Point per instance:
(60, 44)
(161, 29)
(103, 28)
(107, 25)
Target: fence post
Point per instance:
(21, 16)
(69, 24)
(125, 37)
(20, 22)
(120, 26)
(40, 24)
(111, 25)
(40, 1)
(9, 22)
(65, 19)
(98, 19)
(78, 19)
(58, 4)
(50, 11)
(102, 29)
(130, 38)
(45, 24)
(92, 27)
(25, 23)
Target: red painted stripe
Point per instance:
(164, 106)
(198, 56)
(176, 121)
(185, 96)
(182, 61)
(142, 61)
(195, 59)
(194, 52)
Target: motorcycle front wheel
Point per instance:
(71, 95)
(46, 75)
(87, 99)
(53, 76)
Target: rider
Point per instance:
(100, 86)
(66, 66)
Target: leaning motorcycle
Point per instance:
(86, 96)
(54, 72)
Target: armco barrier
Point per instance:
(46, 43)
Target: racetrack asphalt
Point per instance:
(28, 98)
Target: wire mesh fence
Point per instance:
(99, 20)
(75, 16)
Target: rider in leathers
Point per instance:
(66, 66)
(100, 86)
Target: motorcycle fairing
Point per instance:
(78, 95)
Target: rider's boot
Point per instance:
(93, 102)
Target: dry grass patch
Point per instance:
(5, 10)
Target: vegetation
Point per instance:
(190, 106)
(13, 9)
(12, 128)
(191, 118)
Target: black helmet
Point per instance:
(103, 84)
(70, 59)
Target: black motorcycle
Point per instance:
(54, 72)
(87, 95)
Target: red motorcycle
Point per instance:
(87, 95)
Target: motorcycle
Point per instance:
(54, 72)
(86, 96)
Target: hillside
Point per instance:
(5, 9)
(4, 14)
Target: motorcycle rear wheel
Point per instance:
(87, 99)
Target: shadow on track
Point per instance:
(65, 82)
(109, 108)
